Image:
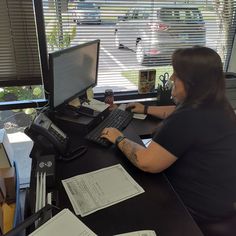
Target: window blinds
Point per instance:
(19, 57)
(139, 35)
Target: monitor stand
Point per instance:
(75, 121)
(85, 111)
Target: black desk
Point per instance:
(145, 128)
(158, 208)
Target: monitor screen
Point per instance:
(72, 71)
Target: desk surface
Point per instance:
(144, 128)
(158, 208)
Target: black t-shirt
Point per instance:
(204, 141)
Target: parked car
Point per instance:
(87, 13)
(154, 33)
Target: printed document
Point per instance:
(96, 105)
(64, 223)
(139, 233)
(96, 190)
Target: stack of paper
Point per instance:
(138, 116)
(64, 223)
(139, 233)
(96, 105)
(96, 190)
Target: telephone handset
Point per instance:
(46, 134)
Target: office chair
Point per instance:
(226, 227)
(230, 84)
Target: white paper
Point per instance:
(122, 107)
(99, 189)
(136, 115)
(139, 116)
(96, 105)
(139, 233)
(62, 224)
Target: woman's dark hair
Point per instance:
(201, 70)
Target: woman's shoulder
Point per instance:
(182, 116)
(204, 114)
(198, 113)
(195, 110)
(186, 111)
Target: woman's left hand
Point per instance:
(111, 134)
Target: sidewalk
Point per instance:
(113, 80)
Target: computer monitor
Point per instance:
(72, 71)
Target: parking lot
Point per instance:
(113, 60)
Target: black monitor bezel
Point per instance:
(55, 54)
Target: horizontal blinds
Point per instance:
(19, 57)
(139, 35)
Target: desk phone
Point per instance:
(48, 136)
(42, 130)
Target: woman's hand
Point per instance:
(111, 134)
(135, 107)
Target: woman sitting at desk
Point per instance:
(196, 142)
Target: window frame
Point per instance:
(38, 6)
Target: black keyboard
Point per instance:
(117, 118)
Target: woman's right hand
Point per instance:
(135, 107)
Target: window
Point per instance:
(20, 68)
(19, 58)
(139, 35)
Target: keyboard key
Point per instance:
(117, 118)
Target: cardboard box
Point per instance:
(7, 213)
(1, 220)
(2, 190)
(8, 174)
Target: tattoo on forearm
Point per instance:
(130, 151)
